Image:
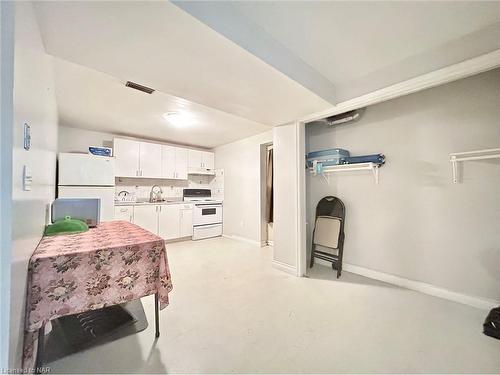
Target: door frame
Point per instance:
(263, 197)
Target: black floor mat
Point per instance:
(74, 333)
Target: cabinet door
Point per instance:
(207, 160)
(124, 213)
(181, 163)
(150, 160)
(126, 154)
(186, 221)
(168, 164)
(169, 221)
(194, 159)
(147, 217)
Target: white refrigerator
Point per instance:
(88, 176)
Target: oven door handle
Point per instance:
(207, 225)
(208, 205)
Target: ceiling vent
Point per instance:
(343, 118)
(136, 86)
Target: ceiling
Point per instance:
(360, 46)
(159, 45)
(238, 68)
(97, 101)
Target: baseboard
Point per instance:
(181, 239)
(242, 239)
(285, 267)
(478, 302)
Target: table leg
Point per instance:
(40, 350)
(157, 317)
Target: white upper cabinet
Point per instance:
(153, 160)
(194, 160)
(150, 160)
(174, 163)
(208, 160)
(181, 163)
(201, 162)
(126, 154)
(137, 159)
(168, 162)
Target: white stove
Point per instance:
(207, 213)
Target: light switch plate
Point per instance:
(27, 178)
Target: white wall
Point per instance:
(286, 190)
(417, 224)
(34, 102)
(241, 162)
(79, 140)
(6, 118)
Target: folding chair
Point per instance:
(329, 232)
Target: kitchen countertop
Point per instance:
(147, 203)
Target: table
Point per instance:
(115, 262)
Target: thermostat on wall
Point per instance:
(27, 136)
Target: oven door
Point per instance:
(207, 213)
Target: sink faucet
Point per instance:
(155, 196)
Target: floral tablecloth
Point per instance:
(111, 264)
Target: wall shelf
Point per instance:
(348, 168)
(492, 153)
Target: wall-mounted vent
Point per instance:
(343, 118)
(136, 86)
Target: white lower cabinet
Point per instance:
(147, 217)
(124, 213)
(169, 221)
(186, 220)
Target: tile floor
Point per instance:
(231, 312)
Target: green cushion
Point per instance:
(66, 226)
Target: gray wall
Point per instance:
(417, 224)
(34, 103)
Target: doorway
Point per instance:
(266, 194)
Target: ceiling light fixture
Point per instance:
(178, 119)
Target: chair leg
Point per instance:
(341, 256)
(311, 262)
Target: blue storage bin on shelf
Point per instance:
(333, 156)
(375, 158)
